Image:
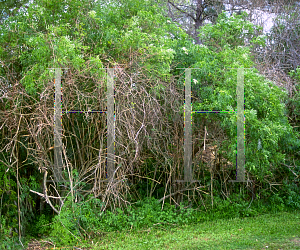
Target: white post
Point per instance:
(58, 163)
(240, 126)
(188, 177)
(110, 125)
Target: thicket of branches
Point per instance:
(149, 119)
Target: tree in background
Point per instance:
(191, 15)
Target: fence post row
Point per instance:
(188, 174)
(110, 159)
(240, 157)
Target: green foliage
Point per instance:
(40, 226)
(295, 74)
(8, 241)
(8, 209)
(236, 207)
(9, 226)
(84, 37)
(148, 212)
(293, 103)
(79, 220)
(10, 8)
(290, 195)
(76, 220)
(132, 27)
(232, 31)
(50, 41)
(47, 46)
(215, 85)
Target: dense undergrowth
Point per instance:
(140, 38)
(80, 223)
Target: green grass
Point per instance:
(271, 231)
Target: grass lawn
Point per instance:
(271, 231)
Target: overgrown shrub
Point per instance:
(150, 49)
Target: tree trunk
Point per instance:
(199, 20)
